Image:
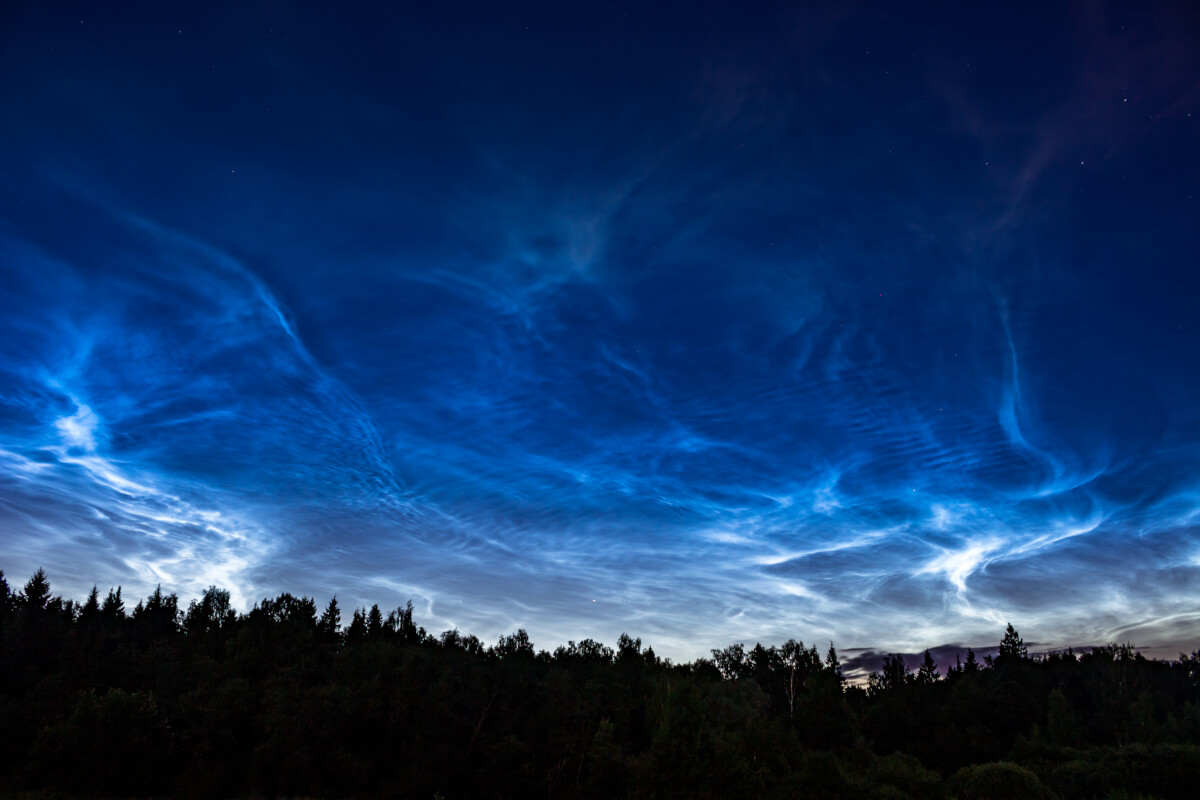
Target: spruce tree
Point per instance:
(37, 591)
(1012, 646)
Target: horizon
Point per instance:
(737, 325)
(857, 664)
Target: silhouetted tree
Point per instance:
(401, 622)
(6, 596)
(375, 622)
(792, 655)
(927, 674)
(330, 624)
(893, 675)
(732, 662)
(210, 614)
(113, 609)
(89, 612)
(296, 612)
(456, 641)
(516, 644)
(833, 664)
(586, 650)
(1012, 646)
(629, 649)
(36, 595)
(157, 616)
(357, 631)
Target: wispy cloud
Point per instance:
(787, 341)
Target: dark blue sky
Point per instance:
(701, 322)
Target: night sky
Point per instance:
(865, 322)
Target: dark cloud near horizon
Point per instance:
(840, 324)
(857, 665)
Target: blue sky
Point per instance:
(705, 323)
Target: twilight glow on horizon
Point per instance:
(707, 324)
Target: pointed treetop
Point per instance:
(375, 621)
(928, 672)
(832, 663)
(331, 620)
(1012, 646)
(114, 606)
(91, 607)
(37, 591)
(358, 625)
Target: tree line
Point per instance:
(161, 700)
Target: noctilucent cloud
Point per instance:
(705, 323)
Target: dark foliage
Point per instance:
(282, 701)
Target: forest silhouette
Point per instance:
(285, 701)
